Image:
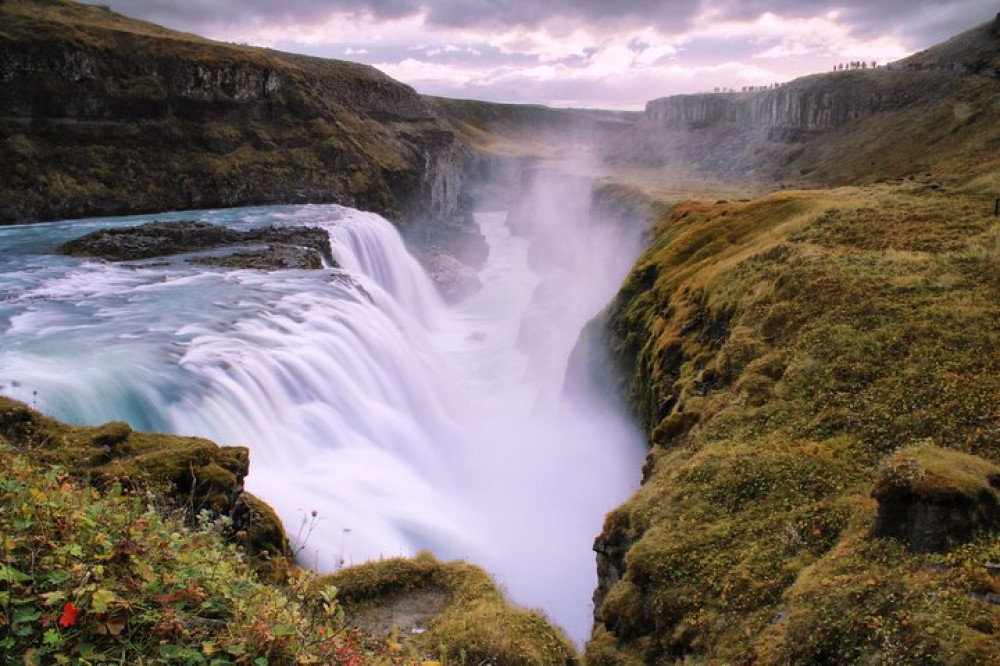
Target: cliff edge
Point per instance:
(834, 128)
(102, 115)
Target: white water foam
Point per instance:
(402, 423)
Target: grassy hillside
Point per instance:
(814, 368)
(102, 114)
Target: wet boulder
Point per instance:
(273, 257)
(268, 248)
(455, 281)
(154, 239)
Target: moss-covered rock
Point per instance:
(194, 473)
(113, 435)
(261, 533)
(456, 609)
(935, 499)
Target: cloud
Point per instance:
(921, 19)
(613, 53)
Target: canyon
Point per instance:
(775, 309)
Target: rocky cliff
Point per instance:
(811, 104)
(832, 128)
(105, 115)
(820, 488)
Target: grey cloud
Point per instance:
(195, 14)
(922, 22)
(531, 13)
(477, 55)
(199, 15)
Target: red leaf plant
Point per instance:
(68, 617)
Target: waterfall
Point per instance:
(401, 423)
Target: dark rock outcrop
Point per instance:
(283, 247)
(269, 258)
(811, 104)
(935, 499)
(153, 239)
(611, 547)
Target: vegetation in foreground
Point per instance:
(801, 361)
(93, 577)
(137, 548)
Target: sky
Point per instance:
(614, 54)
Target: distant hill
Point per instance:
(104, 114)
(529, 129)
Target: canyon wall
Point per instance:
(106, 115)
(853, 126)
(807, 105)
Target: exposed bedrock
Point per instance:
(270, 248)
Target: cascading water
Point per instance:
(402, 423)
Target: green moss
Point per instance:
(21, 147)
(930, 472)
(220, 138)
(262, 536)
(472, 624)
(813, 334)
(114, 435)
